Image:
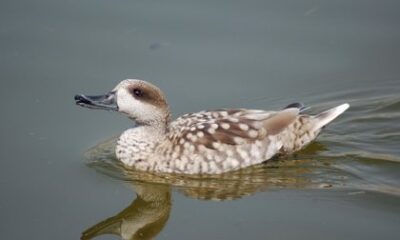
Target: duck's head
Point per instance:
(139, 100)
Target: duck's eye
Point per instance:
(137, 92)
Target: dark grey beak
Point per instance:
(106, 101)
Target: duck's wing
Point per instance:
(223, 140)
(228, 126)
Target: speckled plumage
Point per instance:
(208, 142)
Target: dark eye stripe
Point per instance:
(147, 94)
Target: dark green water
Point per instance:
(204, 55)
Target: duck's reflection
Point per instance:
(144, 218)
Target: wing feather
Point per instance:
(231, 127)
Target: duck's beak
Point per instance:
(106, 101)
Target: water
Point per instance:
(57, 183)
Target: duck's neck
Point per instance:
(156, 124)
(152, 130)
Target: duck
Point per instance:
(205, 142)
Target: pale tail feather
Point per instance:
(326, 117)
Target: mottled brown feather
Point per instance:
(189, 123)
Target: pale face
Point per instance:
(139, 100)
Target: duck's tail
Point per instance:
(324, 118)
(306, 128)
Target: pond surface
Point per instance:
(60, 180)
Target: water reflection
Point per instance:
(147, 215)
(144, 218)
